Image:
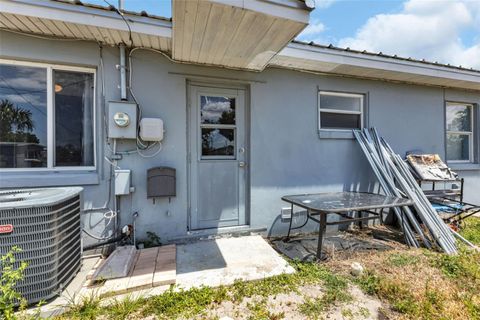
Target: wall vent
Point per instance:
(46, 226)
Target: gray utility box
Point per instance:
(161, 182)
(122, 120)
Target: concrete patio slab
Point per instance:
(202, 263)
(224, 260)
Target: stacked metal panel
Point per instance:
(396, 179)
(46, 226)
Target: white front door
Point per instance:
(217, 157)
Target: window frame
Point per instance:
(471, 133)
(50, 67)
(361, 113)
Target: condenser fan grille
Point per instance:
(46, 226)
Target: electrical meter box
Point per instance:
(122, 120)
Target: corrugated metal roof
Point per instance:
(64, 19)
(112, 8)
(383, 55)
(313, 44)
(330, 46)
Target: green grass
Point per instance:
(401, 298)
(462, 271)
(177, 303)
(88, 308)
(471, 231)
(397, 293)
(121, 308)
(259, 311)
(401, 260)
(335, 291)
(174, 303)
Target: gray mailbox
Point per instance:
(161, 182)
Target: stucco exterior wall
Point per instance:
(286, 153)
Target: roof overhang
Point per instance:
(235, 33)
(242, 34)
(304, 57)
(59, 19)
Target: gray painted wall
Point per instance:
(286, 154)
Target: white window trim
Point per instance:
(471, 147)
(51, 115)
(337, 111)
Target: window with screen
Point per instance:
(340, 111)
(460, 129)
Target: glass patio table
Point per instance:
(341, 204)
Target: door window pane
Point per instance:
(459, 117)
(458, 147)
(23, 116)
(218, 142)
(73, 118)
(339, 102)
(217, 110)
(340, 121)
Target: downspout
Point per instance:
(123, 97)
(123, 73)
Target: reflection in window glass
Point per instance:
(337, 102)
(218, 142)
(217, 110)
(23, 117)
(459, 132)
(339, 120)
(458, 147)
(73, 118)
(459, 118)
(340, 111)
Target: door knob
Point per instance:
(242, 164)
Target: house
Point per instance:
(249, 114)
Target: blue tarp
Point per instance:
(450, 208)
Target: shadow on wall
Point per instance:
(358, 178)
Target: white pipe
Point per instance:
(123, 74)
(115, 198)
(465, 240)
